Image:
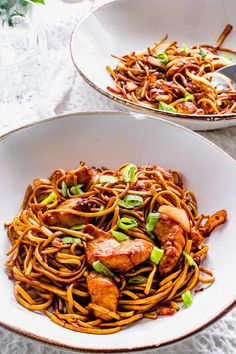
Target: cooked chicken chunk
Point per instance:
(143, 184)
(65, 219)
(83, 175)
(188, 108)
(168, 308)
(171, 236)
(196, 237)
(117, 256)
(167, 174)
(103, 293)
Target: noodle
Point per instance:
(49, 257)
(175, 78)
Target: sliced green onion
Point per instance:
(77, 227)
(131, 201)
(183, 48)
(152, 220)
(120, 236)
(189, 258)
(152, 237)
(49, 198)
(156, 255)
(136, 200)
(202, 52)
(108, 179)
(71, 240)
(187, 298)
(125, 205)
(129, 173)
(76, 189)
(127, 223)
(101, 209)
(64, 189)
(102, 269)
(167, 107)
(226, 56)
(163, 58)
(137, 280)
(188, 97)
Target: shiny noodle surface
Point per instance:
(48, 262)
(177, 78)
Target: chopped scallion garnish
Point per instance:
(108, 179)
(167, 107)
(152, 220)
(124, 204)
(156, 255)
(202, 52)
(101, 209)
(76, 189)
(137, 280)
(163, 58)
(188, 97)
(183, 48)
(64, 189)
(136, 200)
(71, 240)
(187, 298)
(127, 223)
(131, 201)
(77, 227)
(120, 236)
(189, 258)
(102, 269)
(129, 173)
(226, 56)
(49, 198)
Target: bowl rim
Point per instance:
(135, 106)
(56, 343)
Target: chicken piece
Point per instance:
(117, 256)
(166, 174)
(171, 237)
(143, 184)
(196, 237)
(83, 175)
(103, 293)
(65, 219)
(168, 308)
(214, 220)
(188, 108)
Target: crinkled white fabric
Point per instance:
(67, 93)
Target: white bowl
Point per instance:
(122, 26)
(109, 139)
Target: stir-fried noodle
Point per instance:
(98, 249)
(177, 79)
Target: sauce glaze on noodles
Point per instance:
(48, 263)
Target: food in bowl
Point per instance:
(98, 249)
(176, 78)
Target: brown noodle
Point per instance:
(175, 78)
(50, 275)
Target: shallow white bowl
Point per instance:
(109, 139)
(126, 25)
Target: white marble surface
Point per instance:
(66, 92)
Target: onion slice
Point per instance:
(177, 214)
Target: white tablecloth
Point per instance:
(66, 92)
